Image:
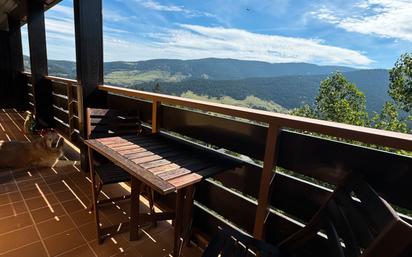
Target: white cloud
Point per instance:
(159, 7)
(383, 18)
(187, 41)
(192, 41)
(153, 5)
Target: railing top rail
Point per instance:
(64, 80)
(367, 135)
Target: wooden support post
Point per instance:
(265, 181)
(88, 26)
(156, 116)
(42, 88)
(13, 89)
(5, 69)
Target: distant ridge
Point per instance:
(208, 68)
(219, 69)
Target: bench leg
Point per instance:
(190, 194)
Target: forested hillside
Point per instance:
(287, 84)
(288, 91)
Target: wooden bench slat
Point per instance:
(185, 169)
(148, 178)
(186, 180)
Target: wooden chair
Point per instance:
(231, 243)
(107, 123)
(367, 226)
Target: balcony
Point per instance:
(45, 211)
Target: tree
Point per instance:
(338, 100)
(389, 119)
(306, 110)
(400, 82)
(157, 88)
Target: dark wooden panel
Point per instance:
(30, 87)
(306, 197)
(31, 98)
(75, 121)
(59, 88)
(62, 128)
(38, 63)
(237, 136)
(226, 203)
(279, 227)
(127, 103)
(61, 114)
(60, 101)
(389, 174)
(245, 179)
(298, 198)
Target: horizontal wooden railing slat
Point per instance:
(367, 135)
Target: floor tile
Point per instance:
(26, 175)
(46, 213)
(54, 226)
(65, 196)
(12, 209)
(31, 184)
(18, 238)
(58, 186)
(41, 202)
(35, 249)
(6, 177)
(82, 217)
(110, 246)
(88, 231)
(63, 242)
(15, 222)
(82, 251)
(75, 205)
(131, 252)
(7, 198)
(35, 192)
(8, 188)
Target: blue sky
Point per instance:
(359, 33)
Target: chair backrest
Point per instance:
(357, 222)
(111, 122)
(231, 243)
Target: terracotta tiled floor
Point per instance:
(43, 212)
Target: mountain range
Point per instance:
(287, 84)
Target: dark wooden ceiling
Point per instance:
(21, 11)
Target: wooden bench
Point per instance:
(167, 166)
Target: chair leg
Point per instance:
(96, 194)
(151, 204)
(94, 199)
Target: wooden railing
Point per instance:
(65, 106)
(249, 197)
